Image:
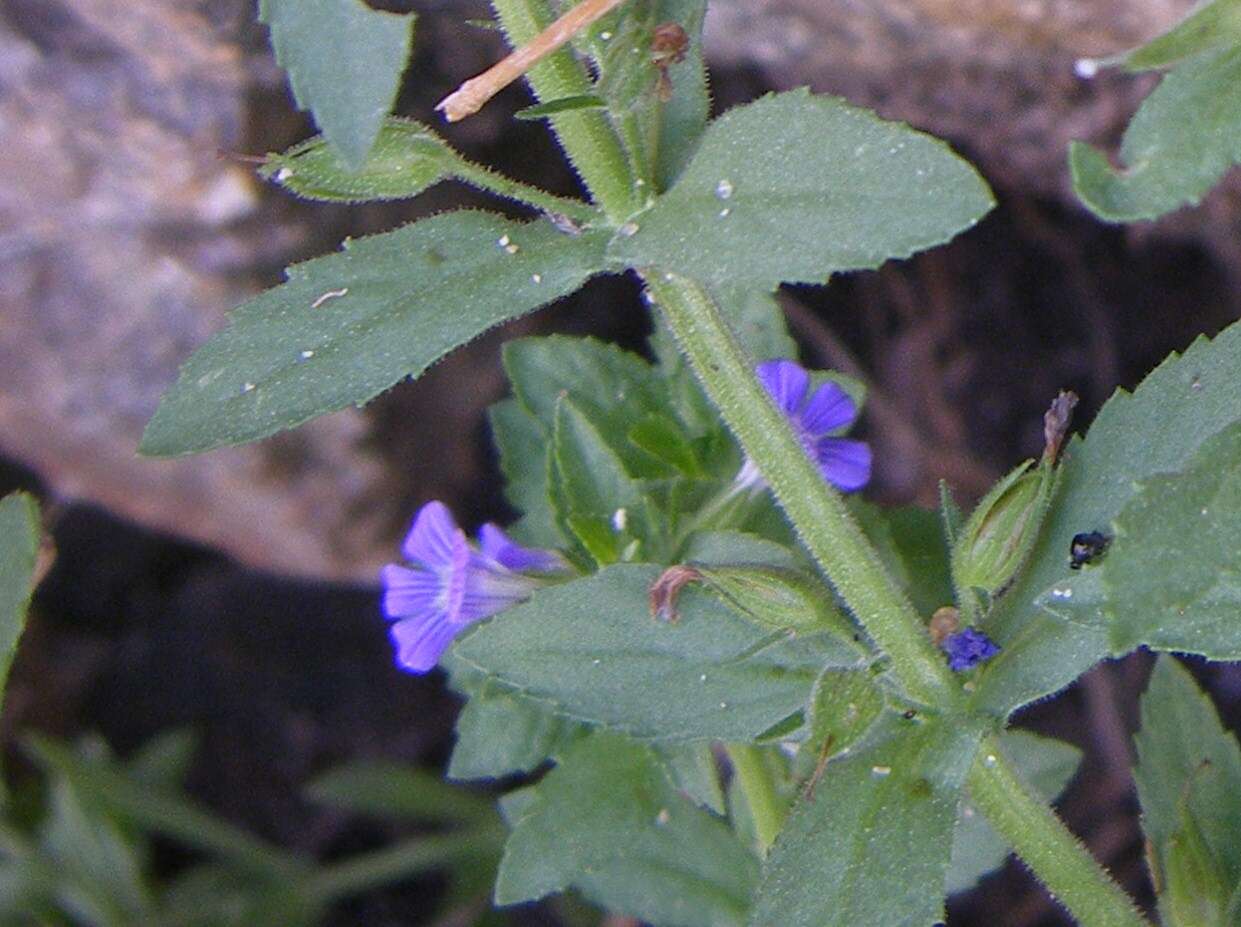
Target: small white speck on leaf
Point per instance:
(1085, 68)
(628, 230)
(247, 387)
(724, 213)
(663, 817)
(307, 354)
(283, 174)
(536, 278)
(881, 772)
(724, 189)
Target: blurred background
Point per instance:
(234, 593)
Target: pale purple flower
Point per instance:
(453, 584)
(844, 463)
(967, 648)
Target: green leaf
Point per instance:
(19, 547)
(607, 822)
(845, 704)
(757, 320)
(598, 501)
(664, 439)
(795, 187)
(1047, 765)
(611, 387)
(910, 542)
(1156, 429)
(1170, 580)
(591, 648)
(500, 733)
(691, 768)
(345, 62)
(1210, 25)
(100, 783)
(1188, 772)
(563, 105)
(1185, 135)
(349, 325)
(872, 845)
(524, 461)
(734, 548)
(387, 790)
(683, 118)
(406, 158)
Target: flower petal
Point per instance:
(845, 464)
(829, 409)
(421, 641)
(409, 592)
(431, 539)
(786, 382)
(504, 550)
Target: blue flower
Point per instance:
(844, 463)
(967, 648)
(453, 583)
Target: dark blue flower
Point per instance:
(967, 648)
(453, 584)
(844, 463)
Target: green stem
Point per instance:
(586, 135)
(815, 509)
(758, 787)
(1044, 844)
(487, 179)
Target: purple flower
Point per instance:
(844, 463)
(453, 584)
(967, 648)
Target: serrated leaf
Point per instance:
(1156, 429)
(1171, 579)
(500, 733)
(349, 325)
(1208, 26)
(591, 648)
(406, 158)
(872, 845)
(1182, 139)
(345, 62)
(19, 548)
(607, 822)
(1189, 767)
(1047, 765)
(795, 187)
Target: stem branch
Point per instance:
(816, 510)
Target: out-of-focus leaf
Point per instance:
(349, 325)
(19, 546)
(563, 105)
(1211, 24)
(394, 790)
(1182, 139)
(524, 461)
(345, 62)
(795, 187)
(607, 822)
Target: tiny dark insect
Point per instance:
(1087, 547)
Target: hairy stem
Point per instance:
(1045, 845)
(816, 510)
(586, 135)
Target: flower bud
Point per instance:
(1002, 531)
(771, 597)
